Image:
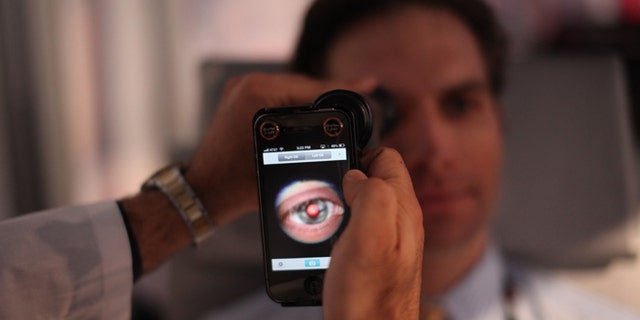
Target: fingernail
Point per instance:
(354, 175)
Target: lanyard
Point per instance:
(509, 292)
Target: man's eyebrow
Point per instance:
(466, 86)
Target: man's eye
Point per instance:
(310, 211)
(459, 105)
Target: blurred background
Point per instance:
(96, 95)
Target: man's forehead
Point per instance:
(410, 47)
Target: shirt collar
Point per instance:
(479, 294)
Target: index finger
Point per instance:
(387, 164)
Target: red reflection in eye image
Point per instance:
(309, 211)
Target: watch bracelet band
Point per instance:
(170, 181)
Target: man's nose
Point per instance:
(434, 136)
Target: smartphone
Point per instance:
(302, 153)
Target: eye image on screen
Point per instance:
(309, 211)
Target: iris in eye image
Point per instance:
(309, 211)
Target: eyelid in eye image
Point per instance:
(309, 211)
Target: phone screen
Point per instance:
(304, 207)
(301, 161)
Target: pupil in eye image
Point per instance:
(309, 211)
(313, 210)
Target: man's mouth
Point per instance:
(443, 200)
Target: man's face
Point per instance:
(448, 130)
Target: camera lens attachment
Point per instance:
(353, 104)
(269, 130)
(333, 127)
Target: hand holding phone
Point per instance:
(222, 171)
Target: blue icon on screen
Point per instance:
(312, 263)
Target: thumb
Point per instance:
(350, 182)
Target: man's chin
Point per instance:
(444, 232)
(450, 222)
(440, 245)
(437, 241)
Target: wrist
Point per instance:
(158, 229)
(219, 195)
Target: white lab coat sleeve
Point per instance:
(67, 263)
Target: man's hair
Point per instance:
(327, 20)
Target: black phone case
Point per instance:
(353, 106)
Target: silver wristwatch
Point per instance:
(170, 181)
